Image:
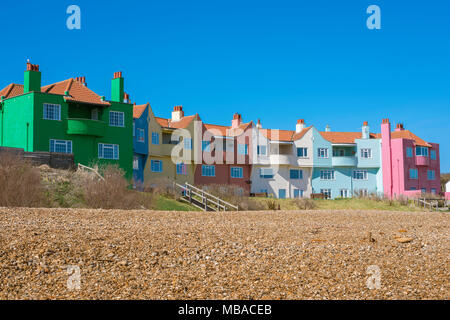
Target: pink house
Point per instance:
(411, 166)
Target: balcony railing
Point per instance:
(280, 159)
(344, 161)
(86, 127)
(422, 161)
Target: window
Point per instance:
(60, 146)
(181, 169)
(433, 154)
(266, 173)
(262, 150)
(327, 174)
(263, 191)
(188, 143)
(422, 151)
(282, 193)
(243, 149)
(326, 193)
(360, 175)
(135, 163)
(338, 152)
(237, 172)
(94, 114)
(344, 193)
(208, 171)
(140, 135)
(156, 166)
(298, 193)
(413, 188)
(116, 119)
(155, 138)
(206, 146)
(134, 128)
(409, 152)
(52, 111)
(423, 190)
(413, 174)
(295, 174)
(433, 191)
(322, 152)
(302, 152)
(431, 174)
(366, 153)
(108, 151)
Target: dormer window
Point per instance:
(422, 151)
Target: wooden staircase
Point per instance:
(204, 200)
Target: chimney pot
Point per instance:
(365, 123)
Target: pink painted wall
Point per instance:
(396, 166)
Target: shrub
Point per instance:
(20, 183)
(272, 204)
(163, 187)
(113, 192)
(305, 204)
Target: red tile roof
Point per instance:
(227, 131)
(138, 110)
(77, 92)
(181, 124)
(277, 135)
(299, 135)
(406, 134)
(343, 137)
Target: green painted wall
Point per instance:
(32, 81)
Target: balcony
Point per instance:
(422, 161)
(344, 161)
(86, 127)
(280, 159)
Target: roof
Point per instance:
(138, 110)
(277, 135)
(77, 92)
(181, 124)
(227, 131)
(12, 90)
(344, 137)
(406, 134)
(299, 135)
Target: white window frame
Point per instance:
(305, 152)
(237, 172)
(300, 174)
(266, 176)
(360, 175)
(113, 147)
(245, 147)
(325, 173)
(300, 193)
(181, 169)
(56, 112)
(322, 153)
(118, 116)
(140, 138)
(366, 153)
(326, 192)
(344, 193)
(260, 148)
(155, 138)
(208, 171)
(152, 165)
(421, 151)
(68, 145)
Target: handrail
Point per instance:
(81, 166)
(212, 196)
(205, 197)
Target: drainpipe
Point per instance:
(28, 125)
(1, 133)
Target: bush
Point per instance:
(113, 192)
(272, 204)
(20, 183)
(305, 204)
(163, 187)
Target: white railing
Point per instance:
(83, 167)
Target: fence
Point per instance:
(53, 160)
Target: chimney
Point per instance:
(32, 78)
(117, 87)
(300, 125)
(386, 156)
(399, 127)
(82, 80)
(365, 130)
(126, 98)
(236, 122)
(328, 128)
(177, 113)
(258, 124)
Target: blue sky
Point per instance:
(274, 60)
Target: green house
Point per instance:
(68, 117)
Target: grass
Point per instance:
(166, 204)
(345, 204)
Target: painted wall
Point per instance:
(140, 148)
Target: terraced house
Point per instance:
(141, 119)
(283, 161)
(171, 147)
(347, 163)
(68, 117)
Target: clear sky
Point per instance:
(274, 60)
